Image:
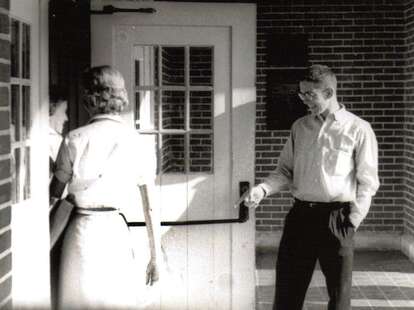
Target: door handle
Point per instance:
(243, 210)
(243, 214)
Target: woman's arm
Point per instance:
(153, 223)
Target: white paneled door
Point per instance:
(189, 70)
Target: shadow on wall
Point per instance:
(197, 258)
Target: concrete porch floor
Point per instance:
(381, 280)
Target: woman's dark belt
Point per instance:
(101, 210)
(95, 209)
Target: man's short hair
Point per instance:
(57, 95)
(322, 75)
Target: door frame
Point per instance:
(29, 222)
(241, 19)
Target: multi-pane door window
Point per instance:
(20, 109)
(174, 93)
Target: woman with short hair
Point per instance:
(104, 163)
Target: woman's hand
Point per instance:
(152, 219)
(153, 272)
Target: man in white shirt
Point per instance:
(330, 164)
(58, 105)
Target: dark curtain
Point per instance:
(69, 52)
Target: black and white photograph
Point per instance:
(206, 155)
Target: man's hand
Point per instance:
(252, 197)
(153, 272)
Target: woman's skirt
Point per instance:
(97, 263)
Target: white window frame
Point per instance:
(24, 141)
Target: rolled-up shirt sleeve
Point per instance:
(146, 164)
(366, 165)
(281, 178)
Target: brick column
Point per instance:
(409, 123)
(5, 164)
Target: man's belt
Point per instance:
(317, 204)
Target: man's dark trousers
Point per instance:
(314, 232)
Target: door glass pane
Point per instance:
(172, 154)
(146, 65)
(201, 153)
(25, 51)
(181, 111)
(26, 174)
(150, 144)
(201, 66)
(173, 109)
(15, 112)
(26, 120)
(201, 110)
(21, 121)
(16, 164)
(15, 48)
(146, 110)
(173, 61)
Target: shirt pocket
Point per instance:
(338, 162)
(303, 146)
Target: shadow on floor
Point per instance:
(381, 280)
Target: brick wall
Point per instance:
(409, 123)
(363, 41)
(5, 173)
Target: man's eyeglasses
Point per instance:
(307, 95)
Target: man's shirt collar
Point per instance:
(340, 115)
(53, 131)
